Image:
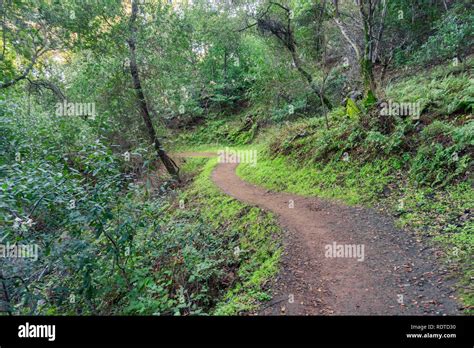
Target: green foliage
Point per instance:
(113, 246)
(441, 92)
(115, 249)
(436, 165)
(435, 130)
(464, 135)
(445, 154)
(61, 204)
(110, 235)
(369, 100)
(220, 132)
(352, 110)
(182, 264)
(253, 232)
(453, 34)
(290, 111)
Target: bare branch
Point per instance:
(247, 27)
(346, 36)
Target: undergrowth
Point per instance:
(255, 242)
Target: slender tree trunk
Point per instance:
(445, 5)
(225, 71)
(225, 65)
(323, 82)
(169, 164)
(346, 36)
(366, 59)
(381, 29)
(365, 55)
(367, 72)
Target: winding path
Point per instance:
(398, 273)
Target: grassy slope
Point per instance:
(258, 238)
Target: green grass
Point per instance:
(216, 133)
(442, 91)
(351, 183)
(259, 239)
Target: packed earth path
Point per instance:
(379, 270)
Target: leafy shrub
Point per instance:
(289, 111)
(444, 91)
(376, 139)
(436, 129)
(183, 264)
(436, 165)
(449, 40)
(446, 153)
(464, 135)
(220, 132)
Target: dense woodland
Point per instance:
(369, 102)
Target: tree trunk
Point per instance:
(368, 79)
(225, 65)
(380, 33)
(366, 65)
(169, 164)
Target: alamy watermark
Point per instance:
(76, 109)
(228, 155)
(345, 251)
(37, 331)
(401, 109)
(14, 251)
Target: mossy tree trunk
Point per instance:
(366, 59)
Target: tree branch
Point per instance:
(48, 85)
(346, 36)
(25, 73)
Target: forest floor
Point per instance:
(395, 272)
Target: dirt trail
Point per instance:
(398, 274)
